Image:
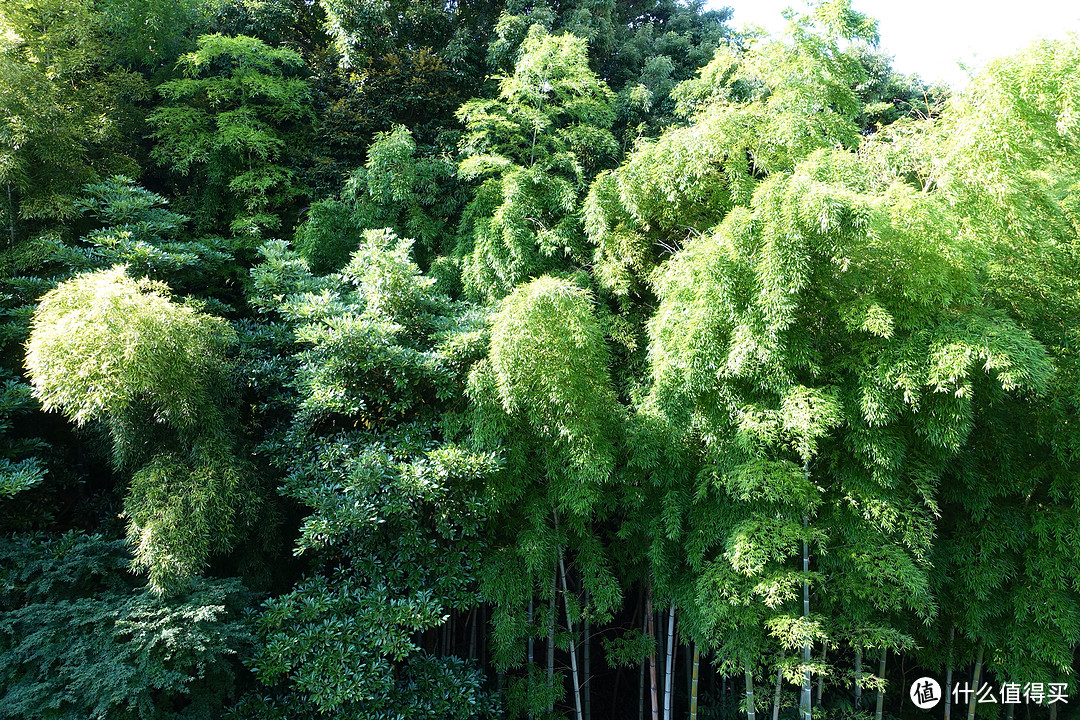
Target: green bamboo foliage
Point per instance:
(1010, 505)
(533, 149)
(67, 110)
(785, 338)
(108, 348)
(754, 113)
(103, 344)
(550, 364)
(544, 395)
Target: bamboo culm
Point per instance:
(821, 677)
(11, 217)
(586, 689)
(776, 694)
(805, 702)
(446, 638)
(573, 650)
(551, 636)
(881, 692)
(694, 684)
(948, 676)
(641, 675)
(472, 634)
(858, 678)
(652, 659)
(975, 685)
(669, 671)
(530, 642)
(688, 654)
(750, 715)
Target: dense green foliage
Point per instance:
(528, 359)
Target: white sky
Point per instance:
(930, 37)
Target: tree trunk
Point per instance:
(975, 684)
(472, 634)
(573, 650)
(858, 677)
(482, 629)
(776, 694)
(881, 692)
(805, 702)
(1053, 711)
(749, 693)
(670, 662)
(948, 676)
(652, 659)
(694, 685)
(1009, 711)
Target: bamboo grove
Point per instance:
(530, 359)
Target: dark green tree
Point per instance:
(392, 538)
(230, 126)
